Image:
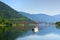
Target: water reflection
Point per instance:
(47, 33)
(44, 37)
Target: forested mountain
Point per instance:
(8, 19)
(9, 13)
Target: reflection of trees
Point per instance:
(26, 25)
(46, 24)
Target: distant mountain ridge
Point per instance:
(40, 17)
(57, 17)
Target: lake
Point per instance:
(46, 33)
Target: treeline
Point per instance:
(8, 31)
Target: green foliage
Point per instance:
(9, 17)
(58, 25)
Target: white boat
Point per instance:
(35, 29)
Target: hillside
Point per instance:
(9, 13)
(8, 19)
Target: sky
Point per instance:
(49, 7)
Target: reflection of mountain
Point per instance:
(45, 34)
(39, 17)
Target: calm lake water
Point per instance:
(46, 33)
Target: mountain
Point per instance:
(10, 19)
(57, 17)
(39, 17)
(6, 12)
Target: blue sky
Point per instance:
(49, 7)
